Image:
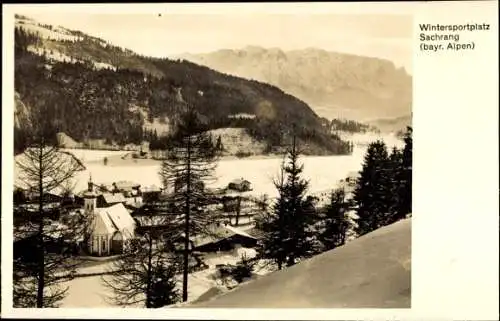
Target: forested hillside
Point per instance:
(95, 90)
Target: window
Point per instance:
(103, 245)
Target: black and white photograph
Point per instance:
(179, 160)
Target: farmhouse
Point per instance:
(126, 186)
(240, 185)
(31, 196)
(151, 194)
(223, 238)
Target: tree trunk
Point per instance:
(186, 226)
(148, 285)
(41, 250)
(238, 210)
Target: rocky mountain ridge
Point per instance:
(335, 85)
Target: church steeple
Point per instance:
(90, 184)
(90, 198)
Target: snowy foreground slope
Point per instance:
(373, 271)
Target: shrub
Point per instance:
(243, 269)
(241, 154)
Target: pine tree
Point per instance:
(400, 169)
(272, 225)
(405, 195)
(334, 221)
(288, 233)
(189, 165)
(218, 146)
(372, 194)
(394, 176)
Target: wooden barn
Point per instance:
(224, 238)
(240, 185)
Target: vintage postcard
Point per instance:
(169, 159)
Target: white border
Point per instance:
(455, 222)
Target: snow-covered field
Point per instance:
(323, 172)
(87, 155)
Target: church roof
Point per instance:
(115, 218)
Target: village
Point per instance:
(120, 208)
(117, 212)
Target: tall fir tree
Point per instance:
(406, 190)
(394, 176)
(288, 227)
(334, 221)
(270, 222)
(189, 165)
(373, 195)
(400, 169)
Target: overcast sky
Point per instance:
(384, 36)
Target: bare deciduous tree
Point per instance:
(145, 274)
(48, 233)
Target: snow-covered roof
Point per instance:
(113, 198)
(150, 189)
(239, 181)
(152, 220)
(231, 193)
(256, 233)
(126, 185)
(219, 233)
(115, 218)
(236, 230)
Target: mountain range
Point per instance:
(335, 85)
(93, 90)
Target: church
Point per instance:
(110, 226)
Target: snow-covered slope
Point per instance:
(373, 271)
(55, 33)
(46, 31)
